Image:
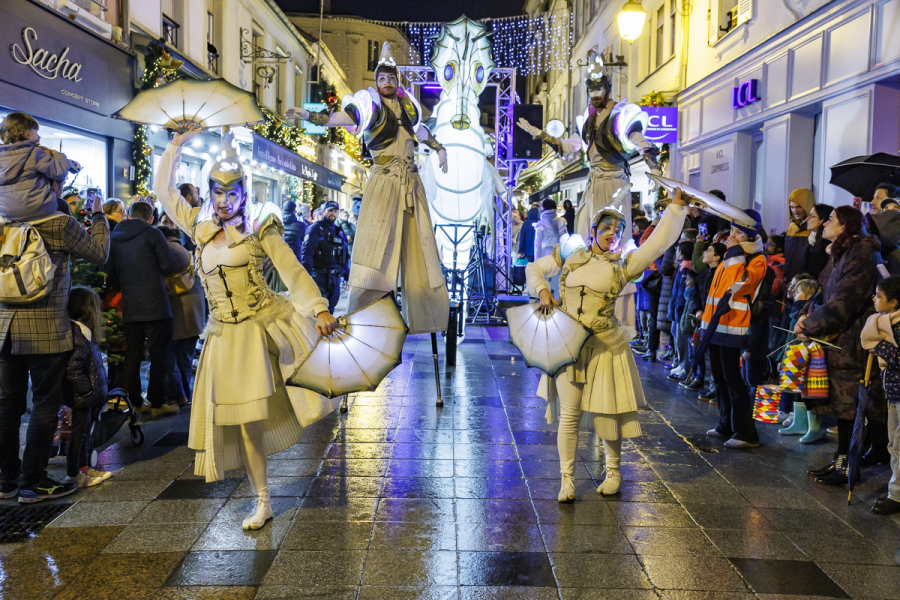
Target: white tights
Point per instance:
(569, 417)
(253, 453)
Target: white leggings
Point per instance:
(253, 453)
(569, 417)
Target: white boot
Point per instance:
(262, 512)
(567, 488)
(613, 451)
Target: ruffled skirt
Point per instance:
(612, 385)
(240, 379)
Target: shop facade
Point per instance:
(776, 118)
(71, 81)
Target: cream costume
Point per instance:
(255, 338)
(604, 385)
(395, 234)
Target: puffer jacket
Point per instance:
(734, 326)
(666, 266)
(26, 170)
(848, 284)
(294, 232)
(796, 244)
(85, 375)
(526, 235)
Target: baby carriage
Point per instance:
(106, 421)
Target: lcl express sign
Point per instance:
(746, 93)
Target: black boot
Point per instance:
(838, 477)
(875, 455)
(650, 355)
(826, 470)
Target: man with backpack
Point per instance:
(36, 336)
(139, 260)
(739, 275)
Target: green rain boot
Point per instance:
(801, 422)
(815, 432)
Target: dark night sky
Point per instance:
(410, 10)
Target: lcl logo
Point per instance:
(746, 93)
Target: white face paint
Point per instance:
(608, 233)
(228, 199)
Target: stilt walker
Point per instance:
(395, 235)
(256, 339)
(604, 384)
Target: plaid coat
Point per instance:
(43, 327)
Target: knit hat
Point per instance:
(303, 209)
(289, 207)
(754, 231)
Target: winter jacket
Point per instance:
(294, 232)
(324, 248)
(569, 216)
(26, 170)
(349, 230)
(188, 310)
(687, 322)
(776, 263)
(547, 233)
(886, 225)
(666, 266)
(526, 235)
(139, 259)
(848, 284)
(890, 354)
(677, 300)
(818, 255)
(734, 325)
(85, 375)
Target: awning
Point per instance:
(574, 179)
(282, 159)
(541, 195)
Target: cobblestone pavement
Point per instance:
(400, 499)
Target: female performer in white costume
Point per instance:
(604, 382)
(255, 338)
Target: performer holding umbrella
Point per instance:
(604, 382)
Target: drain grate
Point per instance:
(18, 523)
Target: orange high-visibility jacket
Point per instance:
(734, 325)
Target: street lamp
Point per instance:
(631, 21)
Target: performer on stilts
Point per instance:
(612, 135)
(255, 339)
(604, 385)
(395, 232)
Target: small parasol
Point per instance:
(186, 102)
(705, 202)
(364, 348)
(860, 427)
(548, 340)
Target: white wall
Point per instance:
(146, 14)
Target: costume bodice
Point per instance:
(589, 286)
(232, 279)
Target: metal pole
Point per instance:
(437, 371)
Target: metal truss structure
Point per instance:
(504, 80)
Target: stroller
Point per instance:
(106, 422)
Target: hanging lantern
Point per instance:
(631, 21)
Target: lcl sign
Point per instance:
(746, 93)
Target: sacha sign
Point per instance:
(663, 125)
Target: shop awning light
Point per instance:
(631, 21)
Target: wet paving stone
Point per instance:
(222, 568)
(183, 489)
(787, 577)
(526, 569)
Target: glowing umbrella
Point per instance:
(184, 102)
(704, 201)
(366, 346)
(548, 340)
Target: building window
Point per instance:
(298, 86)
(170, 31)
(212, 53)
(256, 39)
(279, 84)
(374, 53)
(672, 20)
(660, 40)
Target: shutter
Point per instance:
(745, 11)
(168, 8)
(713, 22)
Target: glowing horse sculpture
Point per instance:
(462, 63)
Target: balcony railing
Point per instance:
(170, 31)
(212, 62)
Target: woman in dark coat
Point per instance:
(818, 245)
(569, 216)
(848, 283)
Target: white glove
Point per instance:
(534, 131)
(297, 113)
(442, 160)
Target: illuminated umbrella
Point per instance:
(364, 348)
(548, 340)
(704, 201)
(184, 102)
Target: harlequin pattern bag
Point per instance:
(793, 368)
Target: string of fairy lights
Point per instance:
(532, 44)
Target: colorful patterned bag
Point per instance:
(793, 369)
(816, 373)
(765, 408)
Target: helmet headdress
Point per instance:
(595, 77)
(386, 62)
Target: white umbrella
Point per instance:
(184, 102)
(705, 201)
(548, 340)
(366, 346)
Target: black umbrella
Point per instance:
(706, 338)
(859, 175)
(858, 440)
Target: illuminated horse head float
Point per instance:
(462, 63)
